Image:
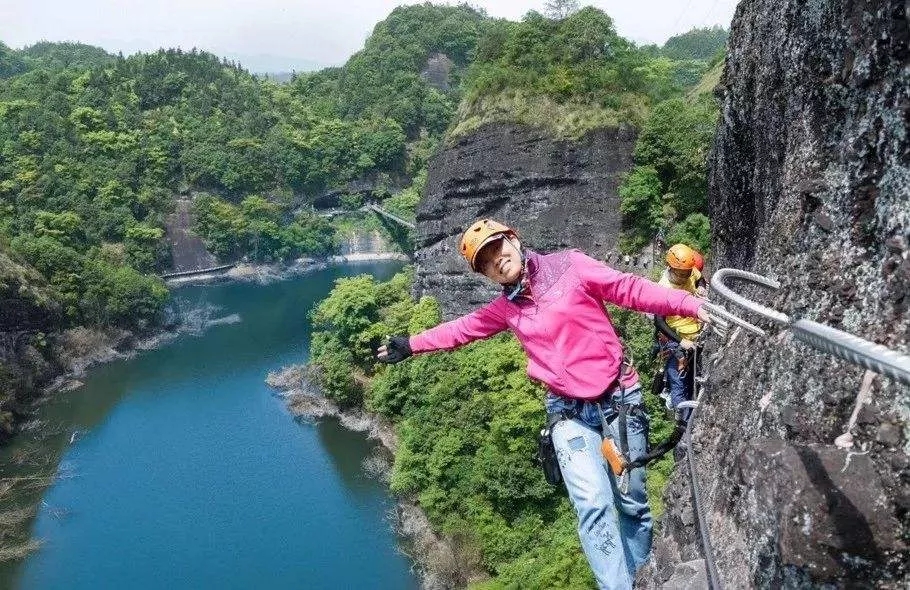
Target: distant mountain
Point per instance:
(273, 65)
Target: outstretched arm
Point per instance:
(481, 323)
(635, 292)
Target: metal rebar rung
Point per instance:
(719, 312)
(848, 347)
(717, 283)
(854, 349)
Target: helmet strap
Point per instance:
(520, 284)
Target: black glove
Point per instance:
(398, 349)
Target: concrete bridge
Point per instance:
(329, 213)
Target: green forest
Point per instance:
(96, 148)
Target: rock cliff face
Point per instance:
(437, 71)
(27, 307)
(188, 252)
(809, 184)
(557, 193)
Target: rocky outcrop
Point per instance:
(437, 70)
(557, 193)
(28, 308)
(809, 184)
(188, 252)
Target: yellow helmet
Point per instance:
(681, 257)
(479, 234)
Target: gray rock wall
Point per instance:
(557, 193)
(809, 184)
(437, 71)
(188, 252)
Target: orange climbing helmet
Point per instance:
(479, 234)
(699, 261)
(681, 257)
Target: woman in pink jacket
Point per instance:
(553, 303)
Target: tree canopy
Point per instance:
(667, 188)
(94, 146)
(568, 71)
(697, 44)
(466, 422)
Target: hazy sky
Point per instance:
(298, 32)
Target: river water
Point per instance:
(180, 469)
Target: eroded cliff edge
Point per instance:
(810, 185)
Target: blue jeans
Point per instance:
(614, 528)
(677, 382)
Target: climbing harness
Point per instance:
(617, 456)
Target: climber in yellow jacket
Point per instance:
(677, 334)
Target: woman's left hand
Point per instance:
(703, 314)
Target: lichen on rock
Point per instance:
(810, 185)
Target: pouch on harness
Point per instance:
(546, 451)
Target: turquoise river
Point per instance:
(180, 468)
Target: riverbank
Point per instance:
(268, 273)
(79, 349)
(189, 432)
(440, 563)
(59, 364)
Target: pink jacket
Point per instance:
(567, 334)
